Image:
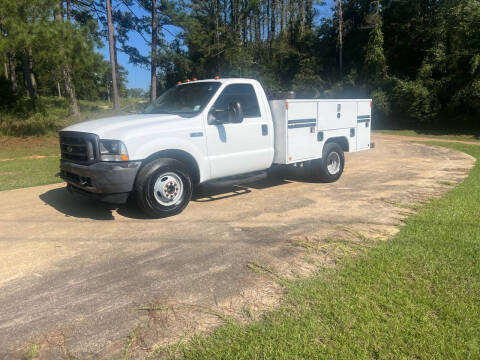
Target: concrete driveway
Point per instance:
(77, 277)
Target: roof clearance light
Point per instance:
(194, 79)
(216, 77)
(188, 80)
(179, 83)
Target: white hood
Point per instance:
(120, 127)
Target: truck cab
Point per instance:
(194, 132)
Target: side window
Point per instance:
(244, 94)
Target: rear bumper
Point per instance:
(105, 181)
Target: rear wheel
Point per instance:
(330, 167)
(163, 188)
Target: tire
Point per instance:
(330, 167)
(163, 188)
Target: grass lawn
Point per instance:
(30, 161)
(416, 296)
(21, 173)
(432, 134)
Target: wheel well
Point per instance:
(342, 141)
(181, 156)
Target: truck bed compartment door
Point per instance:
(302, 131)
(364, 122)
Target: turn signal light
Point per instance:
(124, 157)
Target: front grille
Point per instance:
(79, 147)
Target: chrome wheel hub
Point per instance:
(168, 189)
(333, 163)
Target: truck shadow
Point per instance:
(81, 207)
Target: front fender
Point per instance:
(153, 146)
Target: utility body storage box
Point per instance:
(302, 127)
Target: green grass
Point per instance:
(13, 147)
(19, 165)
(21, 173)
(433, 135)
(416, 296)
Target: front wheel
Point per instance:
(330, 167)
(163, 188)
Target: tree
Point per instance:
(340, 36)
(66, 68)
(113, 56)
(153, 71)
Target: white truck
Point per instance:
(204, 130)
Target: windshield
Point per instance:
(184, 99)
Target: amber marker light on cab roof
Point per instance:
(188, 80)
(216, 77)
(194, 79)
(179, 83)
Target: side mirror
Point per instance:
(214, 117)
(235, 113)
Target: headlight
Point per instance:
(113, 150)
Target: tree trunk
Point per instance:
(70, 90)
(28, 79)
(257, 25)
(115, 52)
(308, 14)
(244, 22)
(283, 16)
(273, 19)
(340, 36)
(153, 71)
(67, 73)
(5, 70)
(217, 34)
(59, 90)
(301, 15)
(113, 63)
(69, 10)
(13, 74)
(234, 19)
(58, 11)
(30, 65)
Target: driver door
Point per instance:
(235, 148)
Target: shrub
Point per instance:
(37, 124)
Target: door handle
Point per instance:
(264, 130)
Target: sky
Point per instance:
(139, 76)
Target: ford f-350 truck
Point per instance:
(204, 130)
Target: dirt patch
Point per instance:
(31, 157)
(24, 147)
(113, 282)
